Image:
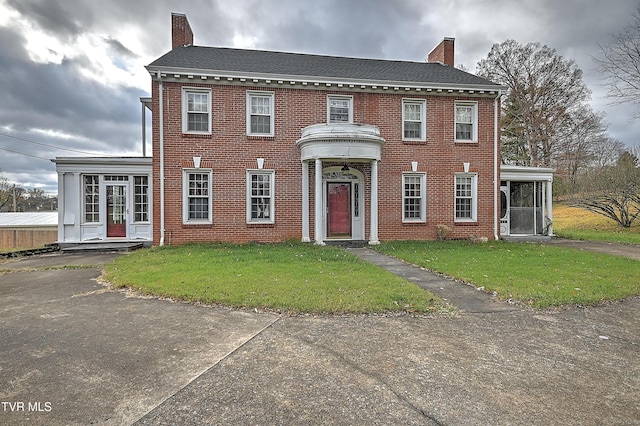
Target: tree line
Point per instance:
(14, 198)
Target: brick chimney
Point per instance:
(181, 34)
(443, 52)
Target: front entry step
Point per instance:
(102, 247)
(347, 243)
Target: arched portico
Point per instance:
(340, 191)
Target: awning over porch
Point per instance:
(339, 141)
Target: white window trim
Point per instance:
(148, 203)
(185, 197)
(474, 197)
(272, 215)
(84, 198)
(423, 197)
(271, 96)
(474, 121)
(423, 118)
(340, 97)
(185, 115)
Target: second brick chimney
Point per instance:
(181, 34)
(443, 52)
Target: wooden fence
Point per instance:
(27, 237)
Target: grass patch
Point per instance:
(288, 277)
(581, 224)
(534, 274)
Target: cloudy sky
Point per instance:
(72, 71)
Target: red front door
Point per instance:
(116, 211)
(339, 210)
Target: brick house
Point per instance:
(266, 146)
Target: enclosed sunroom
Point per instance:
(104, 199)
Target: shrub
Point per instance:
(442, 231)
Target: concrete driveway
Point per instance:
(101, 357)
(73, 353)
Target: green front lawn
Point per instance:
(289, 277)
(535, 274)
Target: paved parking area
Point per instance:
(73, 352)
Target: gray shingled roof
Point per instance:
(307, 66)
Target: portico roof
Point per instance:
(341, 141)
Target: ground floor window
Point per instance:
(414, 197)
(91, 198)
(141, 198)
(466, 195)
(197, 196)
(260, 197)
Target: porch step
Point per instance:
(102, 247)
(347, 243)
(526, 238)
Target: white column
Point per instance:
(305, 202)
(61, 206)
(78, 203)
(373, 232)
(549, 196)
(318, 211)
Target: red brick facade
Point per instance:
(229, 152)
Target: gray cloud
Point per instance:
(66, 21)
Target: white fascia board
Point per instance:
(523, 173)
(225, 74)
(115, 165)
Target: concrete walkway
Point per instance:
(464, 297)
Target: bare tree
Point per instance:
(607, 151)
(545, 92)
(36, 199)
(620, 63)
(578, 141)
(5, 194)
(612, 191)
(11, 195)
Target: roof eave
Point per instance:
(290, 79)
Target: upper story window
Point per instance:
(196, 111)
(414, 119)
(466, 197)
(260, 117)
(196, 196)
(414, 197)
(466, 122)
(339, 109)
(260, 196)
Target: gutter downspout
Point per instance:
(496, 175)
(144, 131)
(161, 135)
